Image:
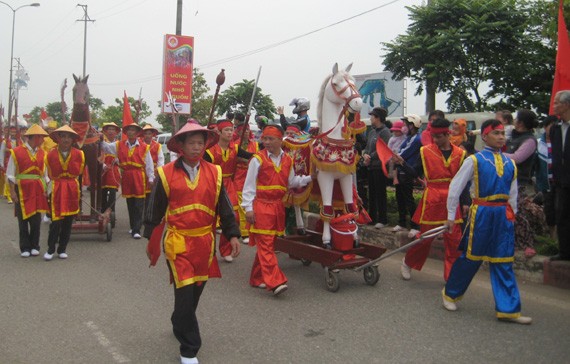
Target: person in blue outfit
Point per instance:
(489, 235)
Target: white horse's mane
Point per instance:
(320, 103)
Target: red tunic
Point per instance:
(30, 180)
(154, 149)
(190, 218)
(272, 183)
(227, 160)
(438, 172)
(65, 176)
(241, 168)
(111, 178)
(132, 163)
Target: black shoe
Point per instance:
(327, 246)
(559, 257)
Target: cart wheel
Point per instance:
(306, 262)
(109, 235)
(331, 280)
(113, 219)
(371, 275)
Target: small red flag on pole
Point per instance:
(562, 71)
(384, 154)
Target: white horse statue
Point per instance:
(333, 152)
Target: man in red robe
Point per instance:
(184, 205)
(64, 165)
(269, 176)
(25, 173)
(439, 163)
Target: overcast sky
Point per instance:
(124, 45)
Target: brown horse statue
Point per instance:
(88, 137)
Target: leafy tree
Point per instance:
(201, 104)
(237, 98)
(114, 113)
(460, 46)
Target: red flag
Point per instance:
(43, 114)
(127, 115)
(384, 154)
(562, 71)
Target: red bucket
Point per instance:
(343, 229)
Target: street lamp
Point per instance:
(10, 88)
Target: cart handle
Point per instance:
(426, 235)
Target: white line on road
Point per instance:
(104, 342)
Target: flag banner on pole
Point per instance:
(384, 154)
(178, 63)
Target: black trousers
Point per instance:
(109, 196)
(406, 204)
(29, 229)
(377, 199)
(562, 208)
(184, 321)
(59, 231)
(136, 209)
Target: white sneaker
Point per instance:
(245, 240)
(35, 252)
(397, 228)
(279, 289)
(379, 225)
(405, 271)
(62, 255)
(413, 233)
(136, 236)
(130, 231)
(228, 258)
(25, 254)
(184, 360)
(48, 256)
(46, 219)
(448, 305)
(262, 285)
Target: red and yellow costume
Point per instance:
(271, 186)
(190, 219)
(154, 148)
(227, 160)
(111, 178)
(432, 210)
(132, 163)
(30, 180)
(65, 176)
(239, 180)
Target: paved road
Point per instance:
(104, 305)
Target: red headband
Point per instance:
(490, 127)
(440, 130)
(272, 131)
(293, 129)
(225, 124)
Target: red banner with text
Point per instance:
(177, 68)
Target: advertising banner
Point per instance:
(177, 73)
(379, 89)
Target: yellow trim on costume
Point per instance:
(266, 232)
(162, 177)
(193, 207)
(508, 315)
(447, 298)
(272, 187)
(475, 176)
(499, 167)
(485, 258)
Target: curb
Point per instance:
(538, 269)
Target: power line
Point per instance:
(258, 50)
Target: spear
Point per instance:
(245, 130)
(63, 105)
(219, 81)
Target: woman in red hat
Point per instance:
(181, 215)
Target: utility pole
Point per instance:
(430, 88)
(178, 32)
(85, 19)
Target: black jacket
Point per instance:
(560, 158)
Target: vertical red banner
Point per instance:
(178, 64)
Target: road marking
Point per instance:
(106, 343)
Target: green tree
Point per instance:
(114, 113)
(237, 98)
(201, 104)
(464, 46)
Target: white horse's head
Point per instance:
(337, 91)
